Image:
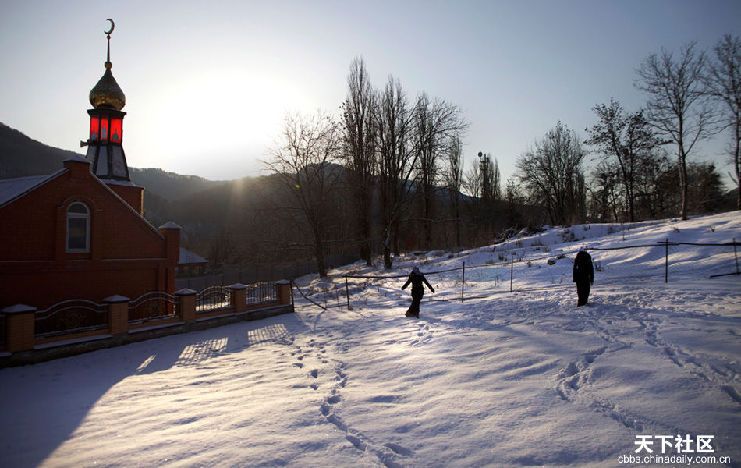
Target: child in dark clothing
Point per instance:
(418, 280)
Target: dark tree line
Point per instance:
(387, 174)
(391, 153)
(691, 97)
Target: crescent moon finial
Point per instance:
(113, 26)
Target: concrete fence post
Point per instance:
(20, 321)
(238, 297)
(118, 314)
(186, 304)
(283, 292)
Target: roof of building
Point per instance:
(11, 189)
(190, 258)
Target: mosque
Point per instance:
(80, 232)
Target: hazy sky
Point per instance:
(208, 83)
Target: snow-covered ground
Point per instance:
(502, 379)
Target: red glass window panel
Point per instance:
(94, 127)
(116, 131)
(104, 129)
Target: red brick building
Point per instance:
(80, 233)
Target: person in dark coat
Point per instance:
(417, 279)
(583, 276)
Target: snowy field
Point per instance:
(502, 379)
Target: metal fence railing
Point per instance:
(75, 316)
(212, 298)
(261, 293)
(155, 305)
(72, 316)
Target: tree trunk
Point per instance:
(320, 261)
(364, 224)
(738, 166)
(387, 249)
(428, 217)
(683, 182)
(457, 222)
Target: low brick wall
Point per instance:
(23, 348)
(134, 335)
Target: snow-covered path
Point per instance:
(522, 378)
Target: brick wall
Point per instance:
(127, 255)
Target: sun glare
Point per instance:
(220, 111)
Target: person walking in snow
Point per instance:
(583, 276)
(417, 279)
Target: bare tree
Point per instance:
(472, 180)
(723, 83)
(358, 110)
(454, 181)
(305, 164)
(435, 123)
(396, 160)
(491, 189)
(552, 174)
(604, 200)
(626, 137)
(513, 199)
(677, 107)
(496, 181)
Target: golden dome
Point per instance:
(107, 93)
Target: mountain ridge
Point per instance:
(21, 155)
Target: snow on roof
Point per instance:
(11, 189)
(189, 258)
(76, 158)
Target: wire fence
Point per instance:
(665, 259)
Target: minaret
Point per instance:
(105, 149)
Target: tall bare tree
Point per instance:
(472, 180)
(723, 83)
(304, 161)
(677, 106)
(435, 123)
(454, 182)
(396, 161)
(553, 176)
(358, 110)
(491, 185)
(513, 199)
(625, 137)
(496, 181)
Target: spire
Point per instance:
(107, 92)
(108, 35)
(105, 149)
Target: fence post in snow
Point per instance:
(463, 284)
(347, 293)
(511, 270)
(666, 260)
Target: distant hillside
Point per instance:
(22, 156)
(170, 185)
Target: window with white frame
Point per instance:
(78, 228)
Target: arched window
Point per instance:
(78, 228)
